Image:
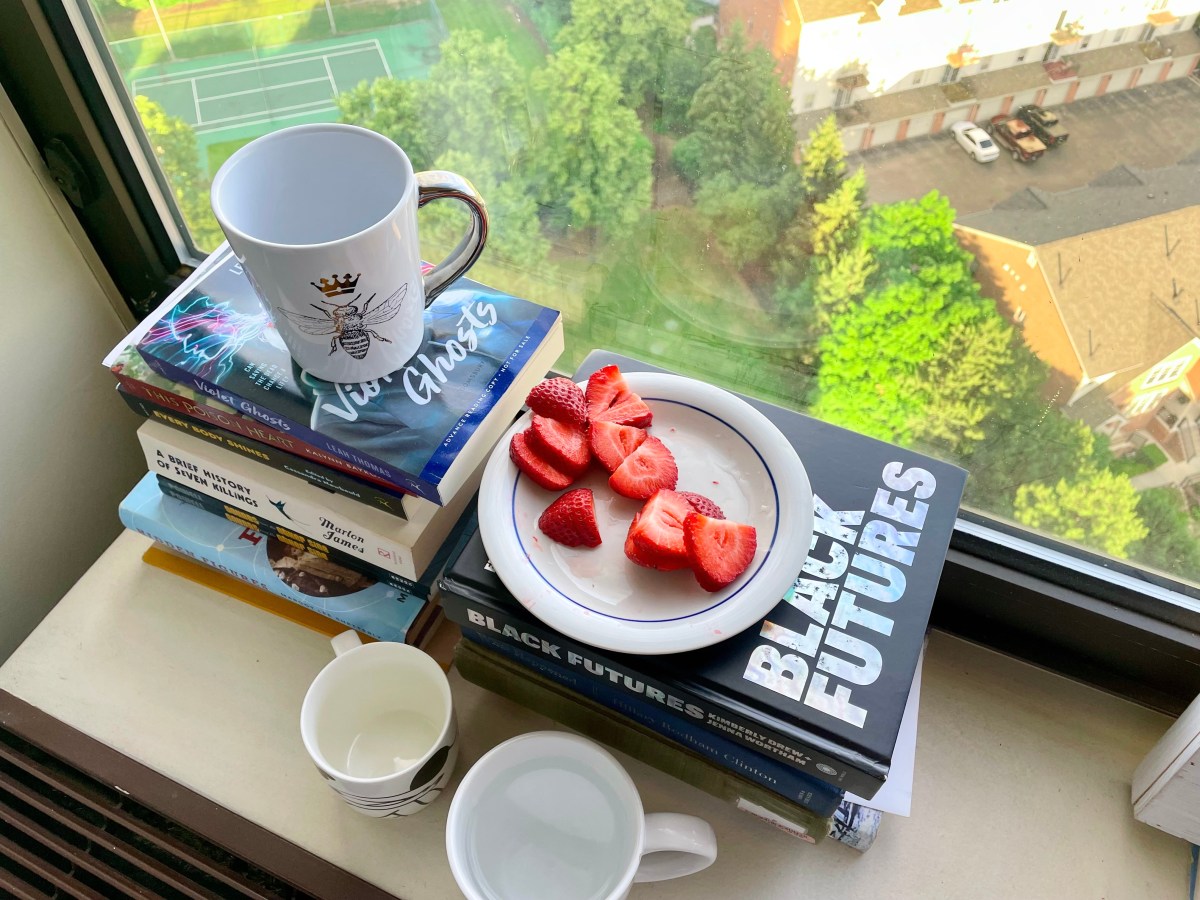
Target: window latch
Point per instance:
(68, 173)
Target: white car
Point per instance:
(977, 142)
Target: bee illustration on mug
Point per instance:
(351, 328)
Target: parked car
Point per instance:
(975, 141)
(1045, 124)
(1016, 137)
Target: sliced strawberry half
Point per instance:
(649, 468)
(571, 519)
(635, 553)
(533, 465)
(610, 443)
(561, 444)
(559, 398)
(609, 399)
(657, 532)
(703, 505)
(717, 549)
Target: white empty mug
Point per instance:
(553, 815)
(323, 219)
(379, 723)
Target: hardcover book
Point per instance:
(822, 681)
(850, 823)
(423, 428)
(274, 565)
(403, 546)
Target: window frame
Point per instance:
(1118, 627)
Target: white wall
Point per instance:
(67, 447)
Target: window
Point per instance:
(1166, 372)
(696, 248)
(1143, 403)
(1118, 35)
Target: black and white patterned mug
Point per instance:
(378, 722)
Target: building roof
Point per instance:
(1103, 249)
(815, 10)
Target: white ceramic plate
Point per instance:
(727, 451)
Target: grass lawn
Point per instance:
(494, 19)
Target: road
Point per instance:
(1149, 127)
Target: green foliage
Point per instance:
(393, 108)
(1144, 459)
(823, 164)
(174, 145)
(592, 160)
(474, 102)
(549, 16)
(741, 118)
(633, 38)
(746, 217)
(1095, 507)
(682, 75)
(1171, 546)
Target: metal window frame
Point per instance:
(1123, 629)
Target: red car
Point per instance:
(1016, 137)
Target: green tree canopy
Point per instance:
(174, 144)
(823, 162)
(1171, 546)
(1096, 508)
(683, 73)
(746, 217)
(633, 37)
(391, 107)
(589, 163)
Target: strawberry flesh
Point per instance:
(717, 549)
(605, 388)
(649, 468)
(657, 532)
(633, 411)
(571, 519)
(703, 505)
(533, 465)
(560, 399)
(610, 443)
(561, 444)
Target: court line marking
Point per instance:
(383, 59)
(282, 109)
(196, 101)
(262, 90)
(335, 51)
(329, 75)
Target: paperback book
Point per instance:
(424, 428)
(403, 546)
(822, 681)
(277, 566)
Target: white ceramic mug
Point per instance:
(553, 815)
(379, 723)
(324, 220)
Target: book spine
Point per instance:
(615, 732)
(249, 428)
(678, 701)
(787, 781)
(319, 476)
(238, 516)
(403, 480)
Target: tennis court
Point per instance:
(264, 89)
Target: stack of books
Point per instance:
(795, 720)
(343, 499)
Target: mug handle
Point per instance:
(675, 845)
(439, 185)
(345, 642)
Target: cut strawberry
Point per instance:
(649, 468)
(703, 505)
(559, 398)
(636, 554)
(657, 532)
(717, 549)
(535, 466)
(610, 443)
(609, 399)
(561, 444)
(571, 519)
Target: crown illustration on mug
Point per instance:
(337, 285)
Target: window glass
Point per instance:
(776, 202)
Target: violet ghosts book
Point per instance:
(422, 428)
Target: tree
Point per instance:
(474, 102)
(823, 163)
(1097, 508)
(632, 36)
(1170, 546)
(589, 162)
(174, 144)
(746, 218)
(391, 107)
(741, 118)
(683, 73)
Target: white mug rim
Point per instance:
(486, 765)
(308, 714)
(259, 144)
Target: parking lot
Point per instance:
(1149, 127)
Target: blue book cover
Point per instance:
(785, 780)
(344, 595)
(483, 350)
